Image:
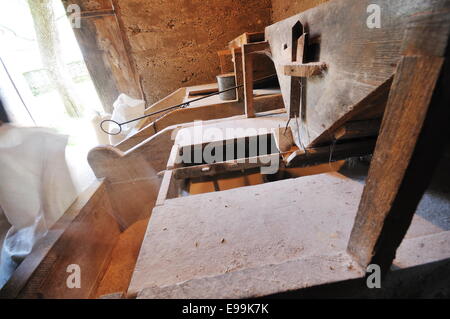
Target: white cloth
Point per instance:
(125, 109)
(35, 189)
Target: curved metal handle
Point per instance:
(109, 131)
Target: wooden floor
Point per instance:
(216, 234)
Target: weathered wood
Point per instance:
(358, 129)
(164, 189)
(415, 128)
(202, 89)
(283, 138)
(247, 37)
(85, 201)
(224, 167)
(248, 55)
(359, 59)
(247, 66)
(305, 70)
(176, 97)
(225, 61)
(205, 113)
(330, 153)
(239, 73)
(261, 225)
(131, 177)
(84, 235)
(104, 49)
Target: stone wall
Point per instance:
(174, 43)
(282, 9)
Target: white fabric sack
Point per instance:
(125, 109)
(35, 189)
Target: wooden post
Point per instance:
(237, 60)
(247, 65)
(416, 126)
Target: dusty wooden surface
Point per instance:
(85, 235)
(206, 112)
(359, 59)
(131, 177)
(216, 234)
(410, 145)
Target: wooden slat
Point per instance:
(330, 153)
(247, 66)
(358, 129)
(239, 73)
(359, 59)
(304, 70)
(88, 199)
(225, 61)
(225, 167)
(84, 236)
(106, 52)
(414, 130)
(204, 113)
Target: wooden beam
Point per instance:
(239, 73)
(225, 167)
(414, 130)
(358, 129)
(305, 70)
(85, 235)
(247, 67)
(330, 153)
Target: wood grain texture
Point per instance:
(261, 225)
(85, 235)
(414, 131)
(331, 153)
(204, 113)
(132, 177)
(247, 67)
(359, 59)
(104, 50)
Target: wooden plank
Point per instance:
(239, 73)
(23, 273)
(330, 153)
(305, 70)
(245, 38)
(415, 128)
(359, 59)
(85, 239)
(266, 224)
(248, 51)
(132, 177)
(164, 189)
(104, 50)
(225, 61)
(176, 97)
(204, 113)
(283, 138)
(225, 167)
(247, 67)
(358, 129)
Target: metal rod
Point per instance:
(182, 105)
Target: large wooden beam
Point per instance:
(248, 51)
(414, 130)
(106, 51)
